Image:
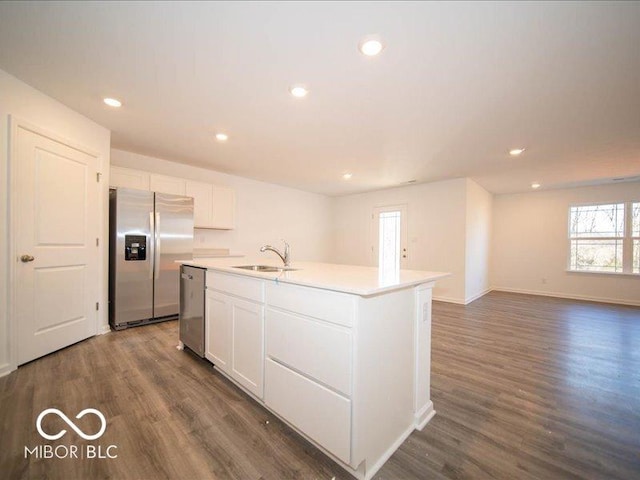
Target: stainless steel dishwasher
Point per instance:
(192, 285)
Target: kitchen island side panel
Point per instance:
(383, 377)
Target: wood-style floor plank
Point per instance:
(524, 387)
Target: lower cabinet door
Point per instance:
(320, 413)
(247, 349)
(218, 330)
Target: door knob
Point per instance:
(27, 258)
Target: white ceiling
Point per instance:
(456, 87)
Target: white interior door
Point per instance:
(56, 220)
(389, 237)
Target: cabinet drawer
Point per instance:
(244, 287)
(317, 349)
(334, 307)
(321, 414)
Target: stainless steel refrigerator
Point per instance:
(148, 232)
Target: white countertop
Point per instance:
(364, 281)
(199, 253)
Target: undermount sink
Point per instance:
(263, 268)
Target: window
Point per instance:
(605, 238)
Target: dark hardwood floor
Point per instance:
(524, 387)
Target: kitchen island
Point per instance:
(340, 353)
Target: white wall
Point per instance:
(436, 230)
(478, 241)
(25, 103)
(265, 213)
(530, 245)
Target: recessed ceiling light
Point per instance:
(370, 46)
(112, 102)
(347, 176)
(516, 151)
(222, 137)
(298, 91)
(535, 185)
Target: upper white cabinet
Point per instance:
(128, 178)
(214, 206)
(165, 184)
(224, 207)
(202, 194)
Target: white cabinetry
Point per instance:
(349, 372)
(128, 178)
(224, 207)
(218, 330)
(318, 349)
(214, 206)
(247, 340)
(202, 194)
(317, 411)
(308, 378)
(165, 184)
(235, 329)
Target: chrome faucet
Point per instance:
(286, 258)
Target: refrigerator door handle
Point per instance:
(156, 259)
(152, 244)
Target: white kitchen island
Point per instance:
(340, 353)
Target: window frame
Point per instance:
(627, 239)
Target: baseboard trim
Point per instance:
(457, 301)
(5, 369)
(370, 472)
(104, 329)
(424, 416)
(477, 296)
(568, 296)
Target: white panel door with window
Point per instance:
(389, 238)
(56, 227)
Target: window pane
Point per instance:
(596, 255)
(597, 221)
(636, 220)
(636, 256)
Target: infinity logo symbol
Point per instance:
(71, 424)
